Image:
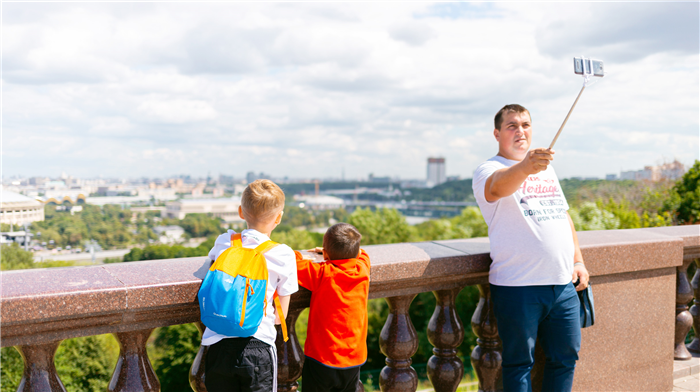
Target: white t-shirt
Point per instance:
(282, 276)
(530, 235)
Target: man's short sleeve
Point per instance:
(481, 175)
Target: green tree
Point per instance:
(144, 234)
(162, 251)
(383, 226)
(135, 254)
(657, 204)
(83, 364)
(436, 229)
(470, 223)
(298, 217)
(13, 257)
(377, 312)
(297, 239)
(323, 217)
(109, 225)
(174, 350)
(49, 234)
(86, 364)
(11, 368)
(590, 216)
(687, 203)
(460, 190)
(626, 216)
(201, 225)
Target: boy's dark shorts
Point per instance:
(239, 364)
(316, 377)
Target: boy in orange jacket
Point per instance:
(336, 340)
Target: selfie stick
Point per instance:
(587, 72)
(567, 117)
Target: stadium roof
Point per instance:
(9, 197)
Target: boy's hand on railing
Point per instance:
(318, 249)
(303, 256)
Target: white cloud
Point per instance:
(149, 89)
(622, 32)
(412, 33)
(176, 111)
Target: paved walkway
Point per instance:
(686, 375)
(690, 383)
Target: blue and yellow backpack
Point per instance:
(232, 298)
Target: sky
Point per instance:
(324, 89)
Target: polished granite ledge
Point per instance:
(47, 304)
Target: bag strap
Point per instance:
(236, 240)
(262, 248)
(280, 312)
(265, 246)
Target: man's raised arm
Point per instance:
(505, 182)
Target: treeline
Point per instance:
(460, 190)
(163, 251)
(112, 226)
(605, 205)
(109, 225)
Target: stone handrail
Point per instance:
(631, 347)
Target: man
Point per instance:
(535, 256)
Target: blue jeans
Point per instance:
(524, 314)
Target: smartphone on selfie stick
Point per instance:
(587, 68)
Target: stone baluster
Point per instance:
(133, 372)
(694, 346)
(445, 333)
(290, 356)
(486, 356)
(684, 321)
(39, 369)
(197, 369)
(398, 341)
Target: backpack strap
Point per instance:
(262, 248)
(236, 240)
(280, 312)
(265, 246)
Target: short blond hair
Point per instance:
(262, 200)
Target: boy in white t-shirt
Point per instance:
(250, 363)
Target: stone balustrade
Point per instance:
(641, 296)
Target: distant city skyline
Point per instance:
(319, 90)
(435, 176)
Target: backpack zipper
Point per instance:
(245, 295)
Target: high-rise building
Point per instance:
(436, 171)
